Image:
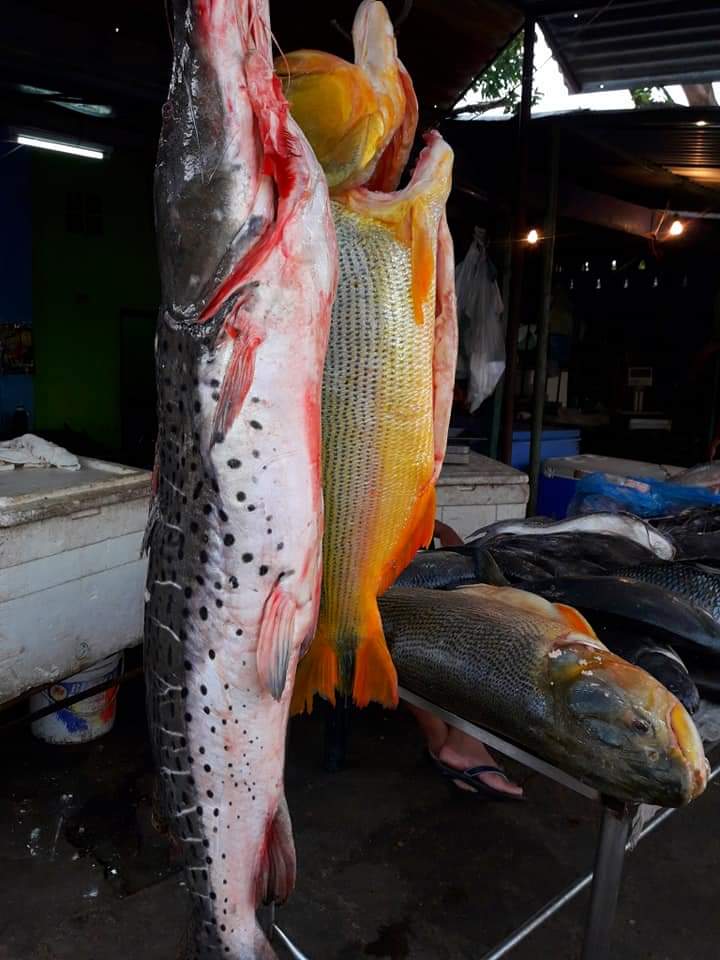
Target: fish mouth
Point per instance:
(688, 743)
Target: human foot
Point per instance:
(461, 753)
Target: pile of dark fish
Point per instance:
(650, 589)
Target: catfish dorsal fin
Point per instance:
(274, 648)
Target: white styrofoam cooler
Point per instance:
(480, 492)
(71, 575)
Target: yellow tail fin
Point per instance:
(375, 676)
(317, 672)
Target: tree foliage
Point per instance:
(501, 84)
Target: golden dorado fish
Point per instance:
(389, 372)
(535, 672)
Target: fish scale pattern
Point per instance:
(378, 384)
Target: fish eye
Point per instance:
(642, 726)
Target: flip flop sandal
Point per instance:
(471, 778)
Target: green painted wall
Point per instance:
(82, 284)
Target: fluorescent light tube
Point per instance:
(60, 147)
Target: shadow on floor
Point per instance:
(392, 864)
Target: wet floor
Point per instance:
(391, 863)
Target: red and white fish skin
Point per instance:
(248, 259)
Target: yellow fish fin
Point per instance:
(573, 618)
(375, 675)
(417, 534)
(317, 672)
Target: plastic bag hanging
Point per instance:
(480, 318)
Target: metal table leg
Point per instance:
(337, 731)
(609, 860)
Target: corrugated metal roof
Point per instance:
(631, 43)
(630, 154)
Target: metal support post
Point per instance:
(543, 335)
(609, 861)
(518, 245)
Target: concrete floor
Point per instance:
(391, 863)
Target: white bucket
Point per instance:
(86, 720)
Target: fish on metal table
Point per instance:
(389, 374)
(248, 268)
(451, 567)
(646, 605)
(612, 524)
(525, 558)
(691, 581)
(542, 679)
(522, 559)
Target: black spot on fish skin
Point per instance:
(234, 463)
(263, 570)
(228, 539)
(207, 509)
(203, 556)
(256, 425)
(203, 613)
(211, 654)
(233, 582)
(247, 557)
(251, 507)
(241, 496)
(256, 454)
(223, 516)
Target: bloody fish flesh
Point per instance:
(248, 266)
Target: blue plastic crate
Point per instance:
(554, 443)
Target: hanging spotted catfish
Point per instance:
(248, 262)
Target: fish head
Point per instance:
(629, 730)
(337, 109)
(360, 118)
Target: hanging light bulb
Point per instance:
(598, 284)
(533, 236)
(677, 228)
(626, 284)
(656, 283)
